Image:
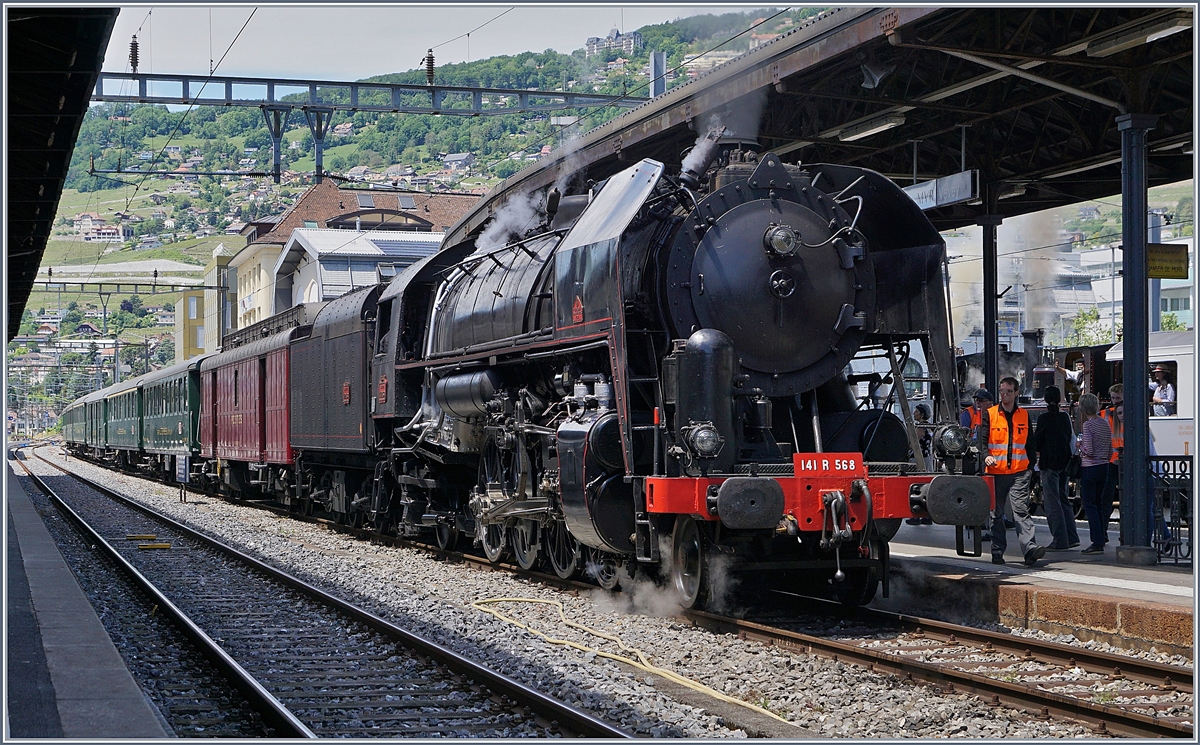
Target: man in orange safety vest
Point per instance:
(1003, 437)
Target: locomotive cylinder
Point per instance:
(467, 396)
(707, 366)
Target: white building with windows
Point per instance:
(322, 264)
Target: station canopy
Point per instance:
(1037, 91)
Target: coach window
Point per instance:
(235, 387)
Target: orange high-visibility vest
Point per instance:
(998, 441)
(1118, 433)
(976, 419)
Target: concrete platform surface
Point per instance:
(1091, 597)
(70, 681)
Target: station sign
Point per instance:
(1167, 260)
(945, 191)
(181, 469)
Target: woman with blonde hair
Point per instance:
(1095, 451)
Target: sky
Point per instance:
(350, 42)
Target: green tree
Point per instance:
(1171, 322)
(1088, 330)
(165, 353)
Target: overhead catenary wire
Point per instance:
(158, 156)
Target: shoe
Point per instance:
(1058, 548)
(1093, 549)
(913, 521)
(998, 559)
(1034, 554)
(1073, 545)
(927, 521)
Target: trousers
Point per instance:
(1059, 514)
(1013, 490)
(1091, 488)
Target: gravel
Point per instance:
(433, 598)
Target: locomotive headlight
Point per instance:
(705, 441)
(781, 240)
(953, 440)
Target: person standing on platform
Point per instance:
(1004, 436)
(1052, 441)
(1116, 422)
(1095, 451)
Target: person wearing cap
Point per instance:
(1076, 376)
(1003, 439)
(969, 419)
(1163, 393)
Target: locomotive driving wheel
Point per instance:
(564, 552)
(494, 541)
(525, 537)
(690, 572)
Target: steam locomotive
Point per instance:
(654, 376)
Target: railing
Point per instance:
(1171, 529)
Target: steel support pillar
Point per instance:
(991, 324)
(1135, 473)
(277, 119)
(318, 122)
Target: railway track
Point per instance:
(312, 664)
(1115, 694)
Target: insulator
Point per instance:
(133, 54)
(429, 66)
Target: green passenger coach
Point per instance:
(171, 415)
(125, 421)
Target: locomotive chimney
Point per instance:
(552, 204)
(701, 157)
(1032, 357)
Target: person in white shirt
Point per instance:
(1076, 375)
(1163, 392)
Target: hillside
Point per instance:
(132, 135)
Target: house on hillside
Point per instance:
(345, 129)
(85, 222)
(458, 161)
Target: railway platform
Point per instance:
(65, 677)
(1091, 597)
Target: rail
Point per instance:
(578, 723)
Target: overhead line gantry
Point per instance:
(320, 99)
